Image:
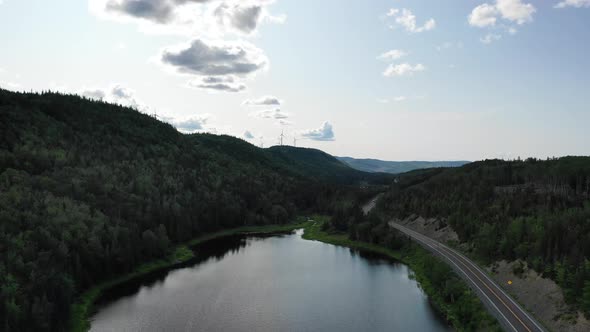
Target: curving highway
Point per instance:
(511, 315)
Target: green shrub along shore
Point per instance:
(449, 294)
(82, 309)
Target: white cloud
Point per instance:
(219, 66)
(116, 94)
(240, 17)
(95, 94)
(392, 55)
(400, 98)
(215, 58)
(483, 15)
(407, 19)
(193, 124)
(324, 133)
(573, 3)
(218, 84)
(12, 86)
(403, 69)
(119, 94)
(276, 114)
(263, 101)
(189, 17)
(216, 20)
(516, 11)
(490, 38)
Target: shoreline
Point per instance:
(313, 232)
(81, 310)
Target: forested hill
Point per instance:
(89, 190)
(534, 210)
(322, 166)
(396, 167)
(311, 164)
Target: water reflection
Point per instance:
(206, 252)
(276, 283)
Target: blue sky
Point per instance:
(466, 79)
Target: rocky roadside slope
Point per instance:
(540, 296)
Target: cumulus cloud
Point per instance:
(405, 18)
(276, 114)
(219, 66)
(215, 59)
(160, 11)
(514, 11)
(392, 55)
(116, 94)
(403, 69)
(211, 17)
(207, 19)
(483, 15)
(96, 94)
(324, 133)
(217, 83)
(573, 3)
(499, 13)
(192, 124)
(263, 101)
(119, 94)
(241, 17)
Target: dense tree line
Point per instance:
(89, 190)
(534, 210)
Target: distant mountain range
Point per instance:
(395, 167)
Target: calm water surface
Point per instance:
(277, 283)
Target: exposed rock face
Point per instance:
(541, 296)
(435, 228)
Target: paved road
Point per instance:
(370, 205)
(510, 315)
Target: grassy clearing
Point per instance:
(81, 310)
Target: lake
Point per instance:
(272, 283)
